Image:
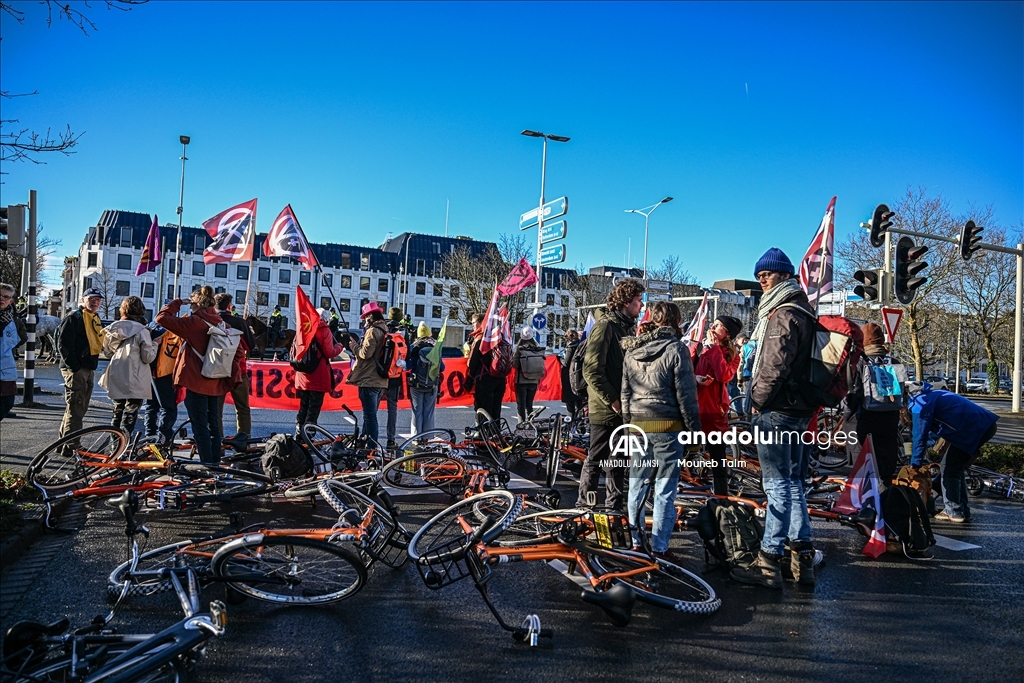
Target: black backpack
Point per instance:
(577, 382)
(731, 533)
(906, 518)
(284, 458)
(310, 360)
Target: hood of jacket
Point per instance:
(651, 345)
(123, 329)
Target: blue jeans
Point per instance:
(204, 411)
(784, 466)
(393, 391)
(369, 397)
(164, 402)
(660, 463)
(423, 403)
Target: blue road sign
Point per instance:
(553, 209)
(553, 231)
(552, 255)
(540, 321)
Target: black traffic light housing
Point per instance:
(908, 265)
(970, 235)
(869, 287)
(881, 221)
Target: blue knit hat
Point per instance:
(776, 261)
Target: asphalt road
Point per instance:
(955, 618)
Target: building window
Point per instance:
(345, 305)
(549, 299)
(263, 274)
(346, 259)
(453, 312)
(364, 261)
(240, 297)
(199, 268)
(328, 280)
(200, 242)
(303, 277)
(363, 302)
(419, 310)
(220, 270)
(92, 261)
(455, 291)
(197, 286)
(149, 313)
(435, 311)
(382, 285)
(147, 290)
(220, 290)
(421, 267)
(262, 298)
(126, 237)
(124, 261)
(282, 300)
(437, 269)
(437, 247)
(565, 301)
(403, 287)
(346, 282)
(284, 276)
(438, 290)
(421, 287)
(87, 283)
(170, 292)
(364, 284)
(242, 272)
(549, 280)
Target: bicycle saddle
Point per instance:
(22, 642)
(616, 602)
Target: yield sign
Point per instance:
(891, 318)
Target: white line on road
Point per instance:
(563, 569)
(953, 544)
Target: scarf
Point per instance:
(6, 316)
(93, 331)
(774, 297)
(875, 350)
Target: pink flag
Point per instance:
(521, 277)
(151, 254)
(862, 489)
(695, 332)
(233, 233)
(816, 268)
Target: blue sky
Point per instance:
(366, 117)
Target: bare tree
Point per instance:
(106, 282)
(11, 264)
(671, 269)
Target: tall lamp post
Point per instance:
(540, 212)
(646, 213)
(184, 139)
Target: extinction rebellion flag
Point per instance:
(287, 239)
(233, 232)
(816, 268)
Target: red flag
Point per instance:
(862, 489)
(309, 322)
(521, 277)
(287, 239)
(151, 253)
(816, 268)
(492, 325)
(233, 233)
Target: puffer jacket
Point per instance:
(321, 378)
(602, 364)
(785, 353)
(958, 420)
(364, 372)
(713, 397)
(188, 368)
(131, 349)
(657, 380)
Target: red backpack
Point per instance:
(501, 360)
(836, 348)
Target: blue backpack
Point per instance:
(884, 384)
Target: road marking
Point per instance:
(563, 569)
(953, 544)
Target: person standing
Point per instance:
(162, 408)
(12, 335)
(572, 402)
(127, 379)
(602, 369)
(79, 342)
(394, 391)
(240, 391)
(783, 335)
(364, 373)
(716, 367)
(203, 395)
(747, 347)
(334, 322)
(486, 383)
(311, 387)
(276, 327)
(423, 389)
(528, 361)
(659, 396)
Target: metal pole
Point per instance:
(405, 278)
(181, 201)
(959, 328)
(160, 296)
(647, 220)
(1015, 406)
(540, 217)
(30, 346)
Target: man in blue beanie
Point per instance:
(783, 337)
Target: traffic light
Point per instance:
(12, 226)
(908, 265)
(970, 235)
(880, 222)
(869, 287)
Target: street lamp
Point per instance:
(184, 139)
(646, 213)
(540, 210)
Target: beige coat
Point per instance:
(364, 372)
(131, 350)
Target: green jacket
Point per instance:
(602, 365)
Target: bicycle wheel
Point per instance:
(388, 539)
(536, 524)
(167, 557)
(60, 466)
(447, 535)
(669, 586)
(319, 441)
(214, 484)
(420, 471)
(432, 440)
(290, 570)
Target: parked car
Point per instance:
(976, 386)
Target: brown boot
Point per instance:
(765, 571)
(801, 564)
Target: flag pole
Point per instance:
(252, 260)
(320, 270)
(163, 269)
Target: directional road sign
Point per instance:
(657, 285)
(553, 231)
(553, 209)
(540, 321)
(552, 255)
(658, 296)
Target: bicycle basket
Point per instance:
(438, 568)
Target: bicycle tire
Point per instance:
(386, 534)
(290, 570)
(445, 537)
(318, 440)
(428, 470)
(537, 524)
(59, 466)
(668, 587)
(430, 440)
(167, 556)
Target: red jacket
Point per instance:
(713, 398)
(188, 368)
(320, 379)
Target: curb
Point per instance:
(34, 528)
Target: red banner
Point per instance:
(272, 385)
